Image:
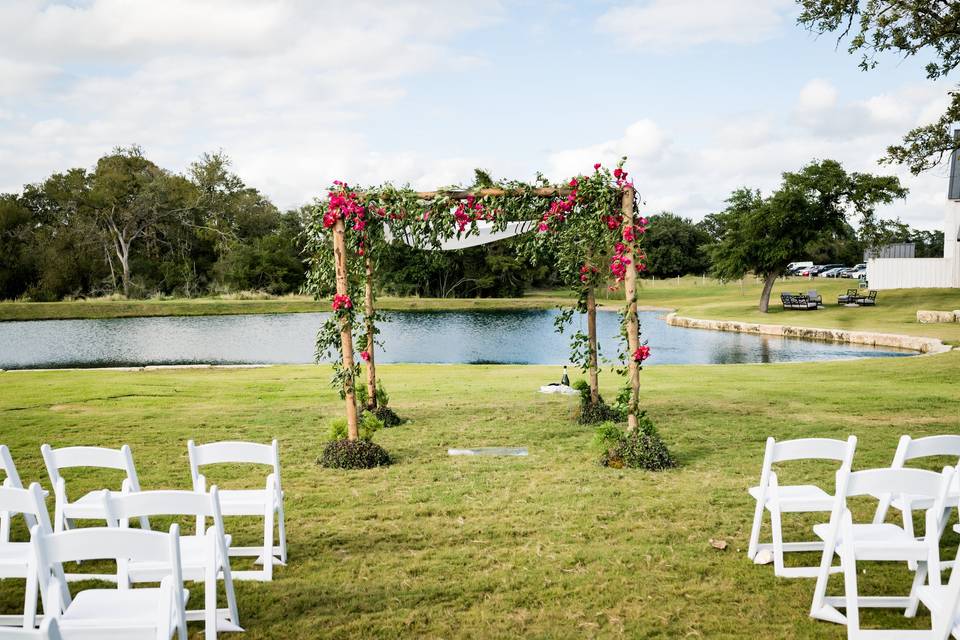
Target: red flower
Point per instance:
(618, 173)
(341, 302)
(596, 167)
(573, 182)
(641, 354)
(365, 356)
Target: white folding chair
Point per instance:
(203, 556)
(805, 498)
(12, 480)
(99, 614)
(90, 505)
(265, 502)
(878, 542)
(911, 449)
(15, 556)
(48, 631)
(943, 602)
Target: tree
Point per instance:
(907, 28)
(130, 196)
(674, 246)
(762, 235)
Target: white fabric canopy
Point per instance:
(485, 235)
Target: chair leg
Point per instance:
(231, 594)
(850, 593)
(755, 531)
(30, 601)
(268, 543)
(819, 604)
(907, 514)
(777, 530)
(210, 604)
(918, 579)
(282, 531)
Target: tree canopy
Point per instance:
(763, 235)
(906, 28)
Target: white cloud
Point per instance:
(670, 25)
(755, 149)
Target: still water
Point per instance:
(523, 337)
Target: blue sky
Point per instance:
(703, 96)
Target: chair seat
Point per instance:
(879, 542)
(119, 608)
(245, 502)
(88, 506)
(918, 502)
(799, 498)
(193, 560)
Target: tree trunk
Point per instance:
(124, 256)
(768, 281)
(368, 311)
(632, 322)
(592, 342)
(346, 336)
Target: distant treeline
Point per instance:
(130, 227)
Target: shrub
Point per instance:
(639, 449)
(384, 413)
(387, 416)
(367, 424)
(353, 454)
(591, 413)
(383, 399)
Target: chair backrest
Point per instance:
(120, 508)
(873, 295)
(916, 482)
(6, 461)
(233, 452)
(912, 448)
(812, 449)
(93, 457)
(852, 293)
(49, 630)
(27, 501)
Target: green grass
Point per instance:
(692, 296)
(546, 546)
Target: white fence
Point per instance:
(906, 273)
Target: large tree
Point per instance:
(905, 28)
(674, 246)
(763, 235)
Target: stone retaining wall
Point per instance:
(926, 317)
(913, 343)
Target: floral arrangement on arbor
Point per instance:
(582, 223)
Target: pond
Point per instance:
(480, 337)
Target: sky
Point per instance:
(703, 96)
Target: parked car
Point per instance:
(809, 271)
(832, 273)
(796, 267)
(848, 273)
(827, 267)
(858, 273)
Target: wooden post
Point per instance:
(592, 343)
(633, 323)
(368, 311)
(346, 337)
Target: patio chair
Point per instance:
(15, 556)
(849, 297)
(813, 296)
(90, 505)
(943, 602)
(155, 613)
(912, 449)
(776, 499)
(786, 300)
(203, 556)
(266, 502)
(878, 542)
(868, 300)
(49, 630)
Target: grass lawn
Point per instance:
(546, 546)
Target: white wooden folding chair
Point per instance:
(15, 556)
(49, 630)
(943, 602)
(912, 449)
(265, 503)
(854, 543)
(12, 480)
(203, 556)
(90, 505)
(806, 498)
(102, 614)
